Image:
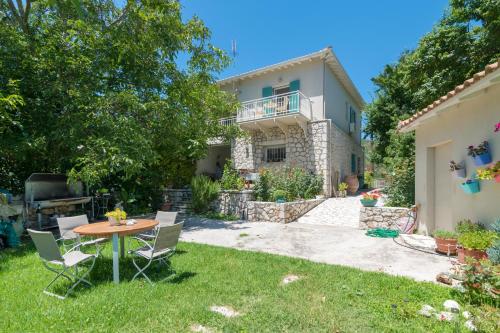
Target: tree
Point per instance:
(460, 44)
(106, 96)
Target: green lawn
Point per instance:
(326, 299)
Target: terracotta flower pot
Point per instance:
(353, 183)
(460, 255)
(476, 254)
(497, 178)
(446, 246)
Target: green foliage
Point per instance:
(279, 195)
(444, 234)
(343, 186)
(220, 216)
(467, 225)
(401, 187)
(297, 183)
(460, 44)
(480, 278)
(493, 252)
(477, 240)
(262, 187)
(231, 179)
(368, 178)
(94, 90)
(205, 191)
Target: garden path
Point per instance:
(335, 211)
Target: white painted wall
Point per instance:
(336, 101)
(311, 84)
(470, 122)
(216, 153)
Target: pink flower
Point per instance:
(497, 127)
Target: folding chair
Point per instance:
(50, 254)
(66, 226)
(164, 219)
(162, 249)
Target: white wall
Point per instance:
(336, 101)
(469, 123)
(219, 153)
(311, 84)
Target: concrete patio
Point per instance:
(329, 244)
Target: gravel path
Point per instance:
(335, 211)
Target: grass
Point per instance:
(326, 298)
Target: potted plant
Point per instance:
(446, 241)
(457, 169)
(475, 243)
(343, 189)
(490, 173)
(115, 216)
(480, 154)
(369, 199)
(279, 196)
(470, 186)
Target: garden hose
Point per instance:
(382, 233)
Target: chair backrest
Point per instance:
(167, 237)
(46, 245)
(165, 218)
(67, 224)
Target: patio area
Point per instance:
(331, 244)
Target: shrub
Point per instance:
(220, 216)
(466, 225)
(262, 188)
(444, 234)
(204, 192)
(477, 240)
(401, 188)
(368, 179)
(279, 194)
(231, 179)
(481, 281)
(494, 251)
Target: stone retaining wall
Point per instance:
(381, 217)
(287, 212)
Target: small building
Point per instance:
(303, 112)
(444, 130)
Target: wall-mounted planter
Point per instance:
(460, 173)
(470, 187)
(482, 159)
(497, 178)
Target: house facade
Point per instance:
(304, 112)
(465, 116)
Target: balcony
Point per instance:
(292, 108)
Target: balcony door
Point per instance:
(282, 101)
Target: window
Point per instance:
(352, 119)
(353, 163)
(276, 154)
(281, 90)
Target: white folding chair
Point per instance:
(66, 226)
(161, 250)
(51, 256)
(164, 219)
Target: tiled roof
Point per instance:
(467, 83)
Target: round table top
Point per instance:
(104, 229)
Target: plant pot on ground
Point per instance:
(446, 242)
(343, 190)
(475, 243)
(352, 183)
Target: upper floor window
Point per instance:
(351, 115)
(276, 154)
(281, 90)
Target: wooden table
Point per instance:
(104, 229)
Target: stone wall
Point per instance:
(381, 217)
(310, 151)
(229, 202)
(343, 145)
(287, 212)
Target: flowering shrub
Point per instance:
(481, 149)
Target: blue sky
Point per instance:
(365, 35)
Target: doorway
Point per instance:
(442, 187)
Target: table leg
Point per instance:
(122, 247)
(116, 272)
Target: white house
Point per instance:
(465, 116)
(303, 112)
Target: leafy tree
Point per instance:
(117, 97)
(460, 44)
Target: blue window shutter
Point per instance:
(353, 163)
(267, 91)
(295, 85)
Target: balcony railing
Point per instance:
(275, 106)
(228, 121)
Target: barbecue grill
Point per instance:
(48, 195)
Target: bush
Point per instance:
(296, 182)
(220, 216)
(466, 225)
(481, 280)
(368, 179)
(401, 188)
(204, 192)
(231, 179)
(279, 194)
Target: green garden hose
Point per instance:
(382, 233)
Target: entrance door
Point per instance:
(442, 187)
